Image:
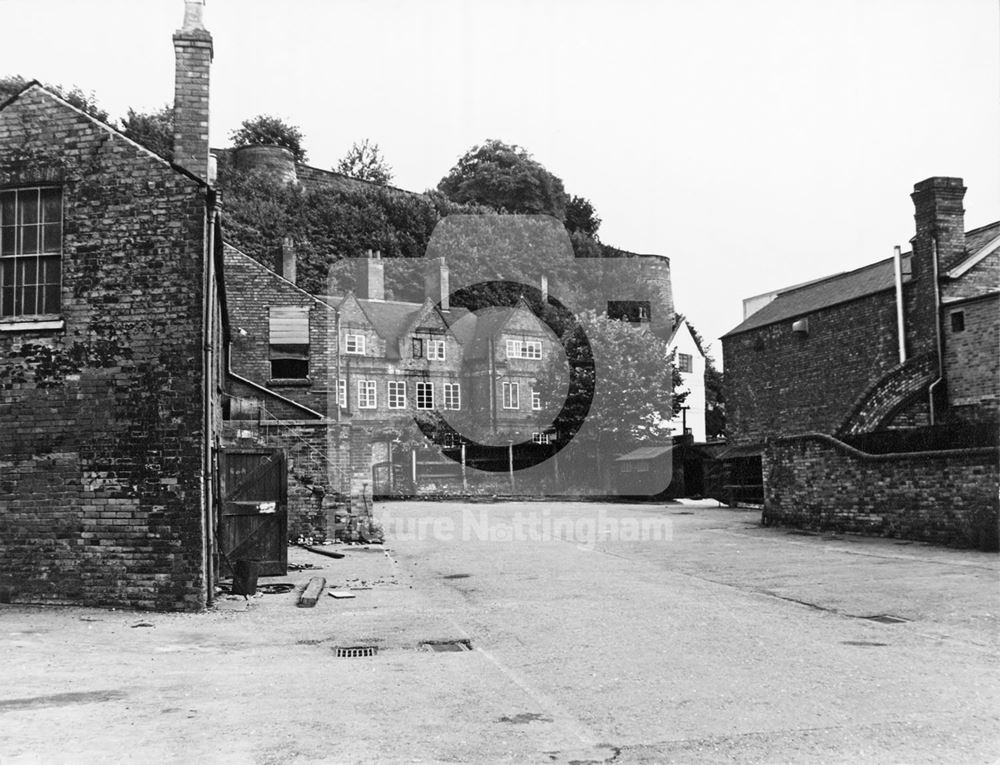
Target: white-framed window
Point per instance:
(511, 395)
(367, 394)
(396, 394)
(540, 438)
(355, 345)
(30, 251)
(684, 362)
(536, 400)
(435, 350)
(452, 396)
(524, 349)
(425, 395)
(342, 393)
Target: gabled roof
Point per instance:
(839, 288)
(979, 243)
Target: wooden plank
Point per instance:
(312, 592)
(288, 325)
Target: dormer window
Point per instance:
(435, 350)
(524, 349)
(355, 345)
(30, 252)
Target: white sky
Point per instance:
(757, 143)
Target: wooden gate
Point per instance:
(254, 521)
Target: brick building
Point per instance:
(112, 325)
(905, 345)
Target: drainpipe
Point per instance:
(900, 319)
(208, 381)
(937, 329)
(336, 383)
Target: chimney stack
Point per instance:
(436, 282)
(288, 264)
(938, 244)
(371, 277)
(193, 52)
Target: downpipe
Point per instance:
(937, 331)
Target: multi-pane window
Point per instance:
(536, 400)
(524, 349)
(684, 362)
(30, 251)
(452, 396)
(425, 395)
(540, 438)
(342, 393)
(397, 395)
(367, 397)
(355, 344)
(435, 350)
(288, 338)
(511, 395)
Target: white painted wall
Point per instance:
(694, 381)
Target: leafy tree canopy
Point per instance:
(581, 217)
(265, 129)
(365, 162)
(154, 130)
(506, 178)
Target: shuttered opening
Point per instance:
(288, 335)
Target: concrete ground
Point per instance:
(599, 633)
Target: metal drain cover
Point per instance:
(443, 646)
(355, 651)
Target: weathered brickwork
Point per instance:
(972, 358)
(782, 383)
(103, 419)
(816, 482)
(878, 406)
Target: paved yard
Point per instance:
(624, 633)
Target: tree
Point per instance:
(154, 130)
(506, 178)
(365, 162)
(581, 217)
(265, 129)
(620, 388)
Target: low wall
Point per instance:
(949, 497)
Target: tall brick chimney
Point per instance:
(940, 235)
(193, 52)
(371, 277)
(436, 282)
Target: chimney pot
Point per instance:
(288, 259)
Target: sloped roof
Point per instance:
(979, 243)
(392, 318)
(645, 453)
(839, 288)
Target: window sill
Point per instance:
(290, 382)
(31, 325)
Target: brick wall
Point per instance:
(877, 407)
(101, 460)
(972, 358)
(816, 482)
(780, 383)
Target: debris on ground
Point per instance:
(312, 592)
(142, 624)
(318, 551)
(339, 594)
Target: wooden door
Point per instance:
(254, 521)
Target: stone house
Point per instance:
(905, 348)
(112, 332)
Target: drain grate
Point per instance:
(443, 646)
(885, 619)
(355, 651)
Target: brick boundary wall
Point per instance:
(814, 481)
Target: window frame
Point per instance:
(421, 395)
(395, 391)
(456, 389)
(685, 363)
(360, 346)
(435, 350)
(342, 393)
(956, 321)
(510, 395)
(46, 288)
(367, 394)
(536, 401)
